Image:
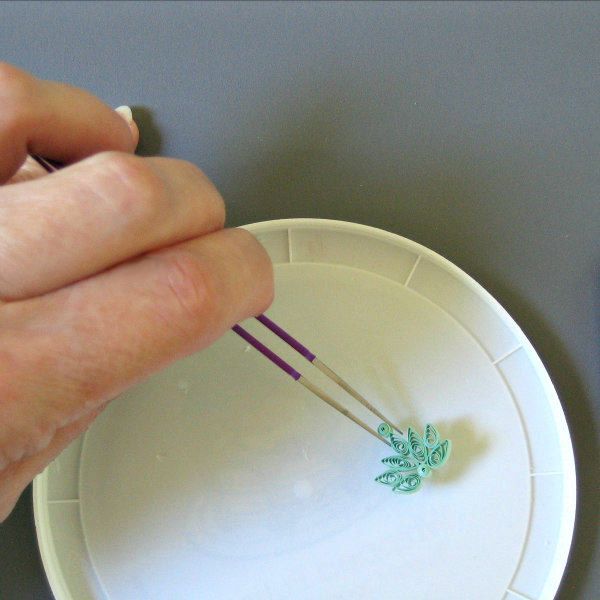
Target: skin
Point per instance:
(110, 269)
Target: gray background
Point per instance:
(470, 128)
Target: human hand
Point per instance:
(110, 269)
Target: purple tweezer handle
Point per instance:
(51, 166)
(266, 352)
(296, 345)
(286, 337)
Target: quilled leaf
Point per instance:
(400, 445)
(431, 437)
(408, 485)
(417, 447)
(389, 477)
(439, 455)
(400, 464)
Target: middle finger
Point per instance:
(98, 213)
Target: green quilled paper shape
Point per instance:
(415, 459)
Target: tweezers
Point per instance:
(50, 167)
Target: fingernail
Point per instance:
(125, 112)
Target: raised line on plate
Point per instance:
(518, 595)
(506, 355)
(289, 237)
(412, 271)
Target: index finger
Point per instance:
(55, 120)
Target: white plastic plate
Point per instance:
(220, 478)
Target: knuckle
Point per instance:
(203, 186)
(130, 183)
(133, 172)
(187, 289)
(191, 169)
